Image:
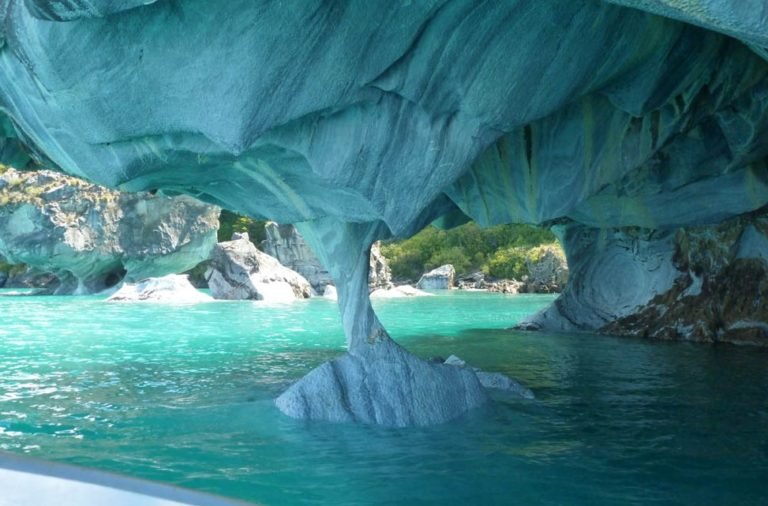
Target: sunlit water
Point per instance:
(184, 394)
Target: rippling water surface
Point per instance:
(183, 394)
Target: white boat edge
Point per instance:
(30, 481)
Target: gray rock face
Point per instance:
(286, 244)
(379, 274)
(442, 278)
(91, 237)
(389, 387)
(238, 270)
(612, 272)
(705, 284)
(374, 119)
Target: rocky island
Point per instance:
(637, 130)
(92, 238)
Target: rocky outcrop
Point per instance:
(286, 244)
(238, 270)
(30, 277)
(379, 274)
(371, 121)
(376, 381)
(91, 237)
(473, 281)
(424, 393)
(719, 290)
(21, 276)
(508, 286)
(547, 271)
(441, 278)
(705, 284)
(171, 288)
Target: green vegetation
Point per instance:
(230, 222)
(12, 269)
(513, 262)
(498, 251)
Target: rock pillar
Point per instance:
(376, 381)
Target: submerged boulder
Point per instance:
(170, 288)
(386, 386)
(494, 380)
(441, 278)
(238, 270)
(92, 237)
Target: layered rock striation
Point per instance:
(365, 120)
(284, 243)
(92, 237)
(704, 283)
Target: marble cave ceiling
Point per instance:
(649, 113)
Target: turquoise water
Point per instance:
(183, 394)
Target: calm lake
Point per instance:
(184, 394)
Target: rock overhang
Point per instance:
(376, 111)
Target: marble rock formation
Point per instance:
(365, 120)
(285, 243)
(705, 283)
(92, 237)
(173, 288)
(237, 270)
(441, 278)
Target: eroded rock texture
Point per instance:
(363, 120)
(285, 243)
(704, 283)
(92, 237)
(238, 270)
(720, 291)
